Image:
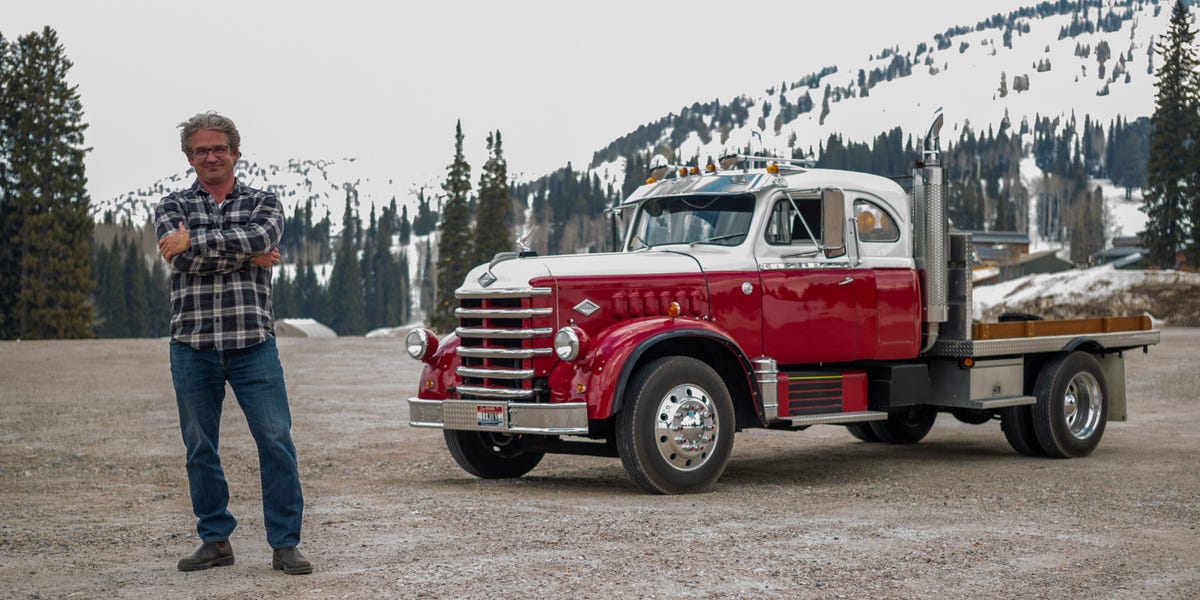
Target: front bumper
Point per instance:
(499, 416)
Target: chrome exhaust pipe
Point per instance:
(930, 232)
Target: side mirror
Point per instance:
(833, 221)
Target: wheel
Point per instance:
(1017, 424)
(862, 431)
(906, 426)
(1072, 405)
(675, 432)
(491, 455)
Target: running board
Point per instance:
(991, 403)
(835, 418)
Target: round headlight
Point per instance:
(567, 343)
(420, 343)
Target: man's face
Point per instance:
(212, 157)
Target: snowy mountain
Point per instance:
(1058, 59)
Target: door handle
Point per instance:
(847, 280)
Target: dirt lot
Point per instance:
(94, 503)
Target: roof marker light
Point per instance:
(773, 168)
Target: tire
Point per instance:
(491, 455)
(1072, 405)
(1017, 424)
(674, 433)
(905, 426)
(863, 432)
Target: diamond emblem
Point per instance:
(486, 279)
(586, 308)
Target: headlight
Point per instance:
(570, 343)
(420, 343)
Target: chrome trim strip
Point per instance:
(835, 418)
(523, 292)
(489, 392)
(502, 353)
(503, 334)
(502, 313)
(485, 373)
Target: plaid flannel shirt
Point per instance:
(219, 299)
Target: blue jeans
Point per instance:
(256, 378)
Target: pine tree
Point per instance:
(347, 307)
(44, 215)
(1174, 136)
(136, 324)
(492, 228)
(454, 237)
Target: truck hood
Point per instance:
(519, 271)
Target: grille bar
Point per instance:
(519, 353)
(501, 313)
(523, 292)
(485, 373)
(487, 392)
(503, 334)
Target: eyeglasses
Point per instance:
(216, 151)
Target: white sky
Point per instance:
(387, 80)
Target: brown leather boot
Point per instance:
(210, 554)
(290, 561)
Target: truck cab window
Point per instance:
(719, 220)
(873, 223)
(786, 226)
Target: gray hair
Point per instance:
(209, 120)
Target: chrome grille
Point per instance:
(503, 332)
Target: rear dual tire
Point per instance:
(1068, 419)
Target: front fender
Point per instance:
(439, 373)
(599, 376)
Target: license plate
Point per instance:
(489, 415)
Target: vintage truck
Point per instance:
(760, 294)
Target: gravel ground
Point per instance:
(94, 502)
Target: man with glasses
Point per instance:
(220, 238)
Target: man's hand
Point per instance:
(267, 260)
(177, 242)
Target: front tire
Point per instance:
(491, 455)
(1072, 405)
(675, 432)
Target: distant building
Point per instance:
(995, 247)
(1046, 261)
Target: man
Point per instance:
(220, 239)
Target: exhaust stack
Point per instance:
(930, 232)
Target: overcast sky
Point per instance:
(387, 80)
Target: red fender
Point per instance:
(599, 375)
(440, 372)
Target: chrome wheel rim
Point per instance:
(1082, 405)
(685, 427)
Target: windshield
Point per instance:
(719, 220)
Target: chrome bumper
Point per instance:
(501, 416)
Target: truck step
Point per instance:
(1001, 402)
(840, 417)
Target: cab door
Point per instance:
(809, 293)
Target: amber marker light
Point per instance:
(773, 168)
(711, 168)
(673, 310)
(968, 362)
(650, 180)
(694, 170)
(682, 171)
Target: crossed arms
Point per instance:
(210, 251)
